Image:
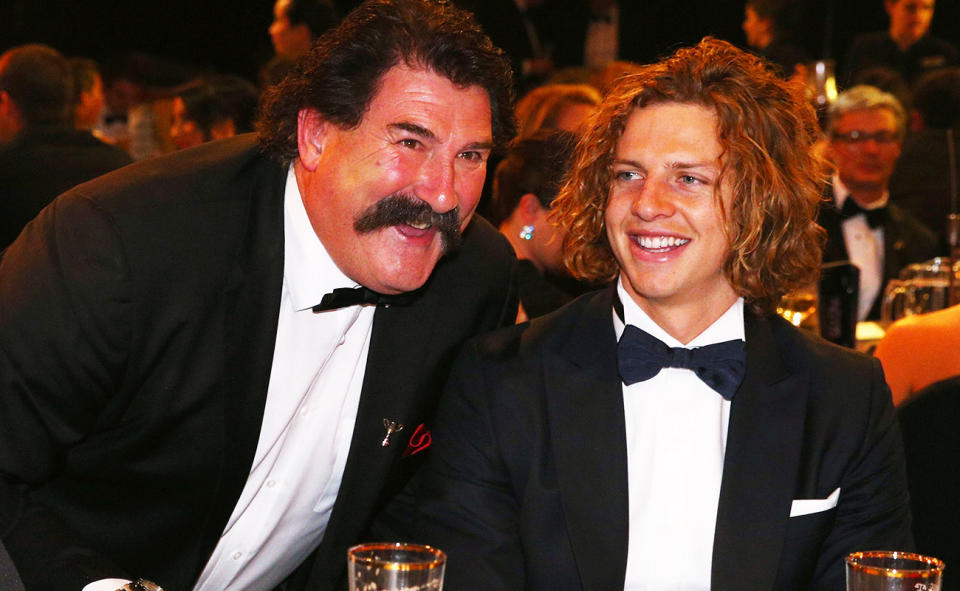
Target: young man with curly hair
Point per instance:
(671, 432)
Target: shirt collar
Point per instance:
(308, 270)
(841, 192)
(728, 327)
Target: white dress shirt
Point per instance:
(864, 247)
(676, 428)
(312, 399)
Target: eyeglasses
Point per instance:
(858, 137)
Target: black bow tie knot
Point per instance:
(875, 217)
(640, 356)
(343, 297)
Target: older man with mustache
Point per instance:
(215, 367)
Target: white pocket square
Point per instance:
(808, 506)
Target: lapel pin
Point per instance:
(391, 427)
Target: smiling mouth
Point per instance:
(660, 243)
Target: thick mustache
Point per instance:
(400, 209)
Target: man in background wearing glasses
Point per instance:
(866, 129)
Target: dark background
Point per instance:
(231, 36)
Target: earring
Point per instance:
(526, 232)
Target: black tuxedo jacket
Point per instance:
(137, 322)
(527, 484)
(905, 241)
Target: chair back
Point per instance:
(930, 424)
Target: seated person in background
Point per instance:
(525, 183)
(555, 106)
(865, 131)
(88, 97)
(921, 181)
(296, 26)
(213, 108)
(769, 26)
(552, 106)
(920, 350)
(42, 154)
(907, 46)
(716, 446)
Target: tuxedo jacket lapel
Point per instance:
(585, 412)
(390, 391)
(760, 466)
(251, 304)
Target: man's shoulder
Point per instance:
(873, 41)
(584, 317)
(909, 227)
(484, 250)
(206, 170)
(806, 352)
(929, 44)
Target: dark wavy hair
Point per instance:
(340, 76)
(214, 99)
(766, 129)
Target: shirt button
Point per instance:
(271, 483)
(304, 412)
(237, 555)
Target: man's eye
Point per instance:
(410, 143)
(687, 179)
(472, 156)
(627, 175)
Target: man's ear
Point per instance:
(311, 137)
(529, 208)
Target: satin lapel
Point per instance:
(585, 410)
(251, 306)
(391, 390)
(760, 466)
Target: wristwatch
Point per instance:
(142, 585)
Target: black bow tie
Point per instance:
(343, 297)
(641, 356)
(875, 217)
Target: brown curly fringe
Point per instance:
(766, 128)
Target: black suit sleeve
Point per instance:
(873, 509)
(64, 329)
(467, 506)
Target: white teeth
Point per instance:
(419, 226)
(658, 242)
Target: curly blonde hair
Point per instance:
(766, 129)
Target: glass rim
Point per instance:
(930, 564)
(433, 558)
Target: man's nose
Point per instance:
(437, 185)
(652, 201)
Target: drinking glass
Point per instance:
(799, 307)
(395, 567)
(883, 570)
